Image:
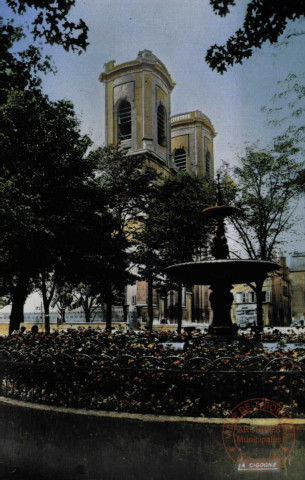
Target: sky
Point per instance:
(178, 32)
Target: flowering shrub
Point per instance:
(133, 372)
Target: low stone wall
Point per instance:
(43, 442)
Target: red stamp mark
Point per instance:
(255, 444)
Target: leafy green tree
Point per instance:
(173, 230)
(86, 298)
(52, 23)
(146, 255)
(127, 184)
(264, 21)
(264, 196)
(46, 285)
(286, 113)
(265, 192)
(20, 70)
(63, 299)
(47, 188)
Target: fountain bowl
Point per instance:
(233, 271)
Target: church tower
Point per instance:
(138, 116)
(192, 135)
(137, 108)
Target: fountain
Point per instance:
(222, 272)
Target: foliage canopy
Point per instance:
(264, 189)
(52, 24)
(265, 20)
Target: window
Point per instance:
(208, 163)
(266, 296)
(161, 120)
(238, 297)
(124, 121)
(248, 297)
(245, 297)
(180, 159)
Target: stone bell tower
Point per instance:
(192, 135)
(137, 108)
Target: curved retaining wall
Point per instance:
(43, 442)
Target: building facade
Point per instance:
(297, 277)
(276, 300)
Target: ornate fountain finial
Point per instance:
(219, 247)
(219, 192)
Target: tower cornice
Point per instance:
(193, 118)
(145, 61)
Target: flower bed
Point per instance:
(133, 372)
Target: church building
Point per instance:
(138, 115)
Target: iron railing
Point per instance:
(169, 385)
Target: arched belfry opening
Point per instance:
(180, 159)
(208, 163)
(161, 122)
(124, 128)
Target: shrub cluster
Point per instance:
(144, 373)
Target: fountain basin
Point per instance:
(231, 271)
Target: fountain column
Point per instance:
(221, 300)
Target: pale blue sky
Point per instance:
(179, 33)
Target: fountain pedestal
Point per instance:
(221, 300)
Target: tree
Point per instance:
(264, 191)
(46, 284)
(264, 21)
(51, 23)
(47, 188)
(173, 230)
(20, 70)
(127, 183)
(287, 112)
(86, 298)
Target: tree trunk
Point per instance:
(108, 315)
(19, 297)
(46, 307)
(165, 306)
(171, 307)
(87, 309)
(150, 304)
(87, 315)
(46, 302)
(46, 317)
(179, 312)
